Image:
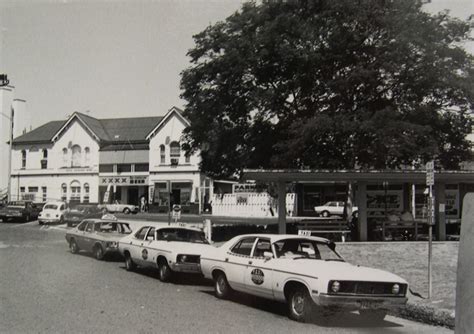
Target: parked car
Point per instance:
(19, 211)
(305, 272)
(169, 249)
(333, 208)
(98, 236)
(53, 212)
(120, 207)
(72, 217)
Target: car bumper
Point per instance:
(187, 268)
(48, 220)
(360, 302)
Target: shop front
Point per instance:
(125, 189)
(164, 194)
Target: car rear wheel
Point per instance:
(126, 211)
(129, 264)
(300, 305)
(164, 271)
(99, 252)
(73, 246)
(373, 315)
(325, 213)
(222, 287)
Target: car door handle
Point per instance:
(250, 262)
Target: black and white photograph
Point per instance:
(237, 166)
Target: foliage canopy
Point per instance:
(329, 84)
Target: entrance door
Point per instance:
(176, 196)
(133, 195)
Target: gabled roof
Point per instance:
(105, 131)
(174, 110)
(43, 134)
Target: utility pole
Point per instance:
(10, 143)
(431, 220)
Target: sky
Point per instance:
(109, 58)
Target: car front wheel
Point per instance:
(325, 213)
(300, 305)
(73, 247)
(222, 287)
(99, 252)
(164, 271)
(129, 264)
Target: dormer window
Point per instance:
(65, 157)
(162, 154)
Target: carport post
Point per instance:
(362, 210)
(281, 207)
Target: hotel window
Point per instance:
(64, 192)
(76, 156)
(162, 154)
(141, 167)
(65, 157)
(32, 189)
(75, 192)
(23, 159)
(44, 191)
(86, 192)
(106, 168)
(124, 168)
(87, 154)
(175, 150)
(44, 161)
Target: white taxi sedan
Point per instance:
(170, 249)
(305, 272)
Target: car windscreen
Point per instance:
(305, 248)
(180, 234)
(50, 207)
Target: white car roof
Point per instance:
(277, 237)
(55, 202)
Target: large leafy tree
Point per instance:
(329, 84)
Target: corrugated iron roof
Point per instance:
(114, 130)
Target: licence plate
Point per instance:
(367, 304)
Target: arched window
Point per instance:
(87, 153)
(86, 193)
(65, 157)
(75, 192)
(162, 154)
(23, 159)
(76, 156)
(175, 150)
(64, 192)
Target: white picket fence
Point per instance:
(250, 205)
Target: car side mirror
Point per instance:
(268, 255)
(150, 238)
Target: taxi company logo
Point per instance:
(144, 254)
(257, 276)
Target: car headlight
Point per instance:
(182, 258)
(396, 289)
(335, 286)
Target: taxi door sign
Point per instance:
(257, 276)
(144, 254)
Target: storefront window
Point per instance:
(124, 168)
(161, 195)
(106, 168)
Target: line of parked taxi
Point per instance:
(305, 272)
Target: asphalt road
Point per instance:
(46, 289)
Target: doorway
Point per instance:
(133, 195)
(175, 197)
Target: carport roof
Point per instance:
(308, 175)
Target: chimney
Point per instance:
(21, 119)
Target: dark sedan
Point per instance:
(19, 210)
(74, 216)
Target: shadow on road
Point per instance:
(177, 278)
(336, 320)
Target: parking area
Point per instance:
(45, 288)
